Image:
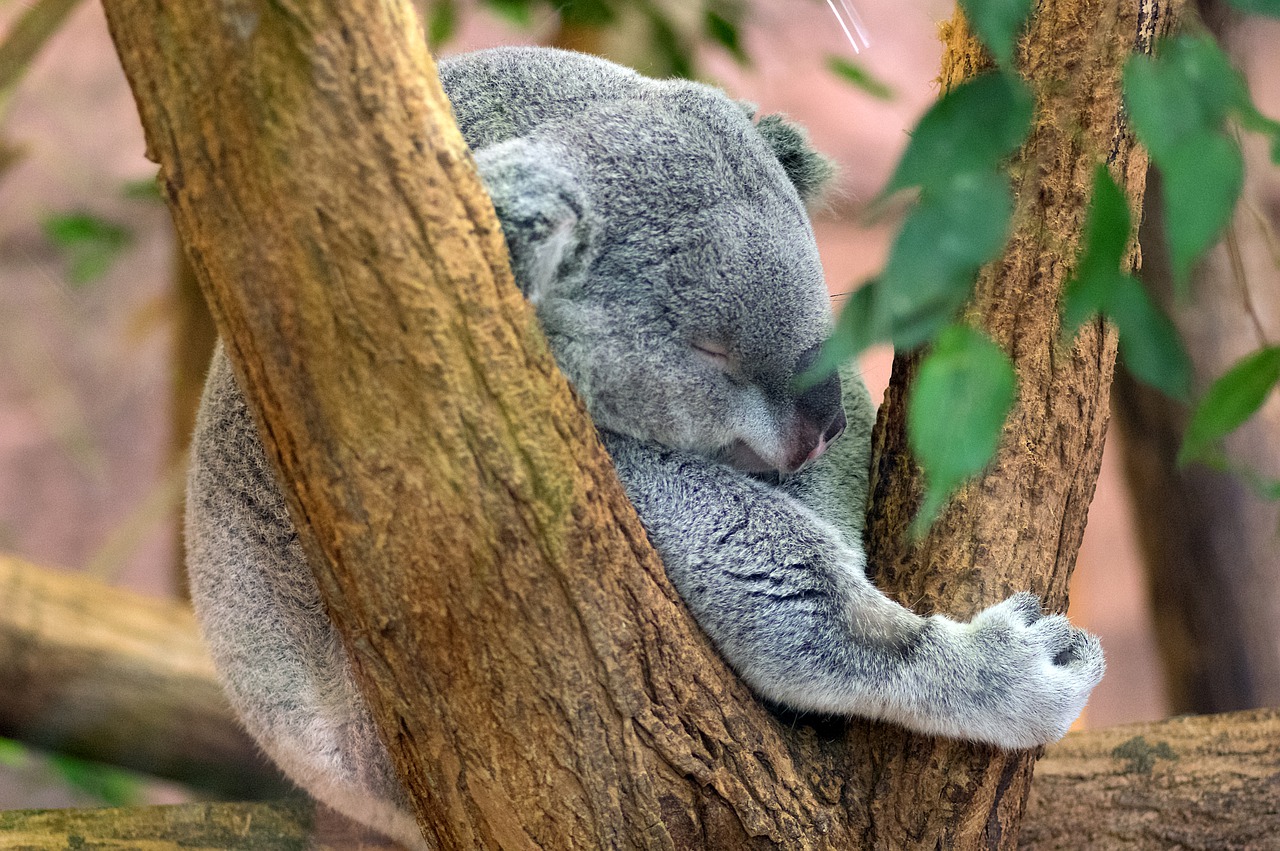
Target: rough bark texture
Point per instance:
(115, 677)
(1019, 526)
(535, 677)
(1209, 541)
(1207, 782)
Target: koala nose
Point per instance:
(820, 413)
(819, 403)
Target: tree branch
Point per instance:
(1207, 781)
(114, 677)
(1200, 782)
(535, 677)
(1019, 525)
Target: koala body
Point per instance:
(662, 237)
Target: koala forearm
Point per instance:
(788, 604)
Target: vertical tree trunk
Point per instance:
(1209, 542)
(535, 677)
(1020, 525)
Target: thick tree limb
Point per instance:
(538, 679)
(1202, 782)
(106, 675)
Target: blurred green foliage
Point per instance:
(669, 32)
(90, 243)
(105, 784)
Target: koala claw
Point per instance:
(1035, 673)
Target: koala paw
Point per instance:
(1033, 675)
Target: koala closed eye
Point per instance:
(718, 356)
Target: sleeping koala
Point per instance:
(662, 237)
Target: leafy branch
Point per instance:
(1179, 104)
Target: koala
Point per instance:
(660, 231)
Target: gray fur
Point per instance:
(663, 239)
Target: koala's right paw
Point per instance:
(1034, 674)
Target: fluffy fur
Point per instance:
(662, 237)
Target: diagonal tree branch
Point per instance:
(535, 677)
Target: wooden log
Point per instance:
(1207, 782)
(103, 674)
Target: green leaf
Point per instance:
(442, 23)
(12, 754)
(956, 410)
(517, 12)
(1108, 223)
(1231, 400)
(947, 236)
(1270, 8)
(972, 128)
(1149, 344)
(1186, 90)
(1106, 237)
(998, 23)
(112, 786)
(858, 76)
(854, 332)
(1203, 175)
(146, 189)
(90, 243)
(724, 32)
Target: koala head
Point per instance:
(663, 240)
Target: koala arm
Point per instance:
(786, 601)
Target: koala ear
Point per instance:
(543, 209)
(809, 170)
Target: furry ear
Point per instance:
(809, 170)
(544, 212)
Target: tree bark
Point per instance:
(1206, 782)
(1208, 540)
(535, 677)
(1018, 526)
(114, 677)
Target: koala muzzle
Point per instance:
(819, 418)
